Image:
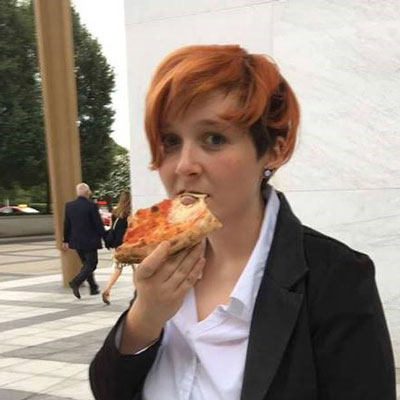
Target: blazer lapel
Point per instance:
(277, 305)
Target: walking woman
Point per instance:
(265, 308)
(119, 223)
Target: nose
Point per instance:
(188, 161)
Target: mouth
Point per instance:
(192, 192)
(190, 197)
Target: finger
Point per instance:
(172, 264)
(153, 261)
(193, 276)
(186, 266)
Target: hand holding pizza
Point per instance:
(166, 239)
(161, 282)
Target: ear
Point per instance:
(276, 155)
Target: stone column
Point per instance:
(56, 59)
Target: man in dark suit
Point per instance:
(83, 230)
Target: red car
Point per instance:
(104, 213)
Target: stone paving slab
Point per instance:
(8, 394)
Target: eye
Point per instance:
(170, 141)
(214, 139)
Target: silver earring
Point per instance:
(267, 173)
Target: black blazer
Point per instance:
(83, 228)
(119, 229)
(318, 330)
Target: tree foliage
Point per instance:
(95, 84)
(22, 148)
(119, 178)
(22, 139)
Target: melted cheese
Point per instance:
(181, 213)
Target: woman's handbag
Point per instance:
(109, 237)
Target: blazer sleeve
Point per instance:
(67, 226)
(120, 228)
(96, 220)
(351, 341)
(114, 376)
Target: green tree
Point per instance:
(95, 84)
(22, 139)
(22, 149)
(119, 178)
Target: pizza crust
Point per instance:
(199, 223)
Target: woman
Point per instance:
(264, 308)
(119, 223)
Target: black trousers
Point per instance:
(89, 261)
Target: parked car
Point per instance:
(21, 209)
(105, 217)
(105, 214)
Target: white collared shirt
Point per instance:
(205, 360)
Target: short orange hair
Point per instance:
(267, 104)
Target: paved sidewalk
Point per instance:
(47, 337)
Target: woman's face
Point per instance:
(203, 153)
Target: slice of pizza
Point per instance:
(184, 221)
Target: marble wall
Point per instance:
(342, 59)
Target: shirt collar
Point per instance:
(244, 293)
